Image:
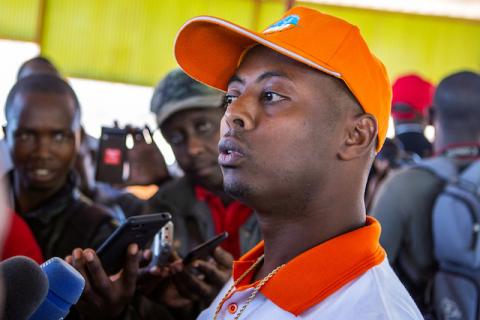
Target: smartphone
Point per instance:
(205, 249)
(136, 229)
(162, 246)
(112, 162)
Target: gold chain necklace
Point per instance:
(254, 292)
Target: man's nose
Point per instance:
(241, 114)
(43, 146)
(195, 146)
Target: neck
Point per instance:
(289, 233)
(409, 127)
(446, 140)
(27, 198)
(225, 197)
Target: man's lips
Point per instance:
(41, 173)
(230, 152)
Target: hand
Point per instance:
(105, 297)
(157, 284)
(150, 278)
(209, 279)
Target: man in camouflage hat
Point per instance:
(188, 115)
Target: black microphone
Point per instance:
(26, 286)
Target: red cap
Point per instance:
(413, 91)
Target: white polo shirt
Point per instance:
(347, 277)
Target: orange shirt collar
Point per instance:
(317, 273)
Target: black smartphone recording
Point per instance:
(136, 229)
(204, 250)
(112, 162)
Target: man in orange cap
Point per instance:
(412, 98)
(307, 107)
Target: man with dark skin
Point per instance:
(188, 115)
(256, 172)
(410, 193)
(296, 145)
(43, 123)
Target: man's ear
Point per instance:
(6, 135)
(360, 138)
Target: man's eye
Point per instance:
(23, 136)
(229, 99)
(272, 97)
(176, 139)
(204, 127)
(59, 137)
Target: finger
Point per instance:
(147, 255)
(78, 262)
(184, 290)
(69, 259)
(213, 274)
(193, 284)
(223, 258)
(130, 270)
(100, 280)
(175, 256)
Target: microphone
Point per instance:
(26, 286)
(65, 288)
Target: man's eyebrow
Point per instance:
(271, 74)
(235, 78)
(263, 76)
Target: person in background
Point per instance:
(412, 98)
(188, 115)
(390, 158)
(307, 107)
(405, 201)
(43, 132)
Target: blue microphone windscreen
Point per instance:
(65, 288)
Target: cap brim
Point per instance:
(194, 102)
(209, 49)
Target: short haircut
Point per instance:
(38, 59)
(41, 83)
(457, 103)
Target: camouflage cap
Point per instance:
(177, 92)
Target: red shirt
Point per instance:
(229, 218)
(20, 241)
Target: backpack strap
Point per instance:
(442, 167)
(470, 178)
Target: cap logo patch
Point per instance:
(284, 24)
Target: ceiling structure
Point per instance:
(462, 9)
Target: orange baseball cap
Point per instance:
(209, 49)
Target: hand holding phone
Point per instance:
(136, 229)
(162, 246)
(205, 249)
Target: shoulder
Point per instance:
(175, 193)
(377, 294)
(90, 215)
(406, 186)
(175, 185)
